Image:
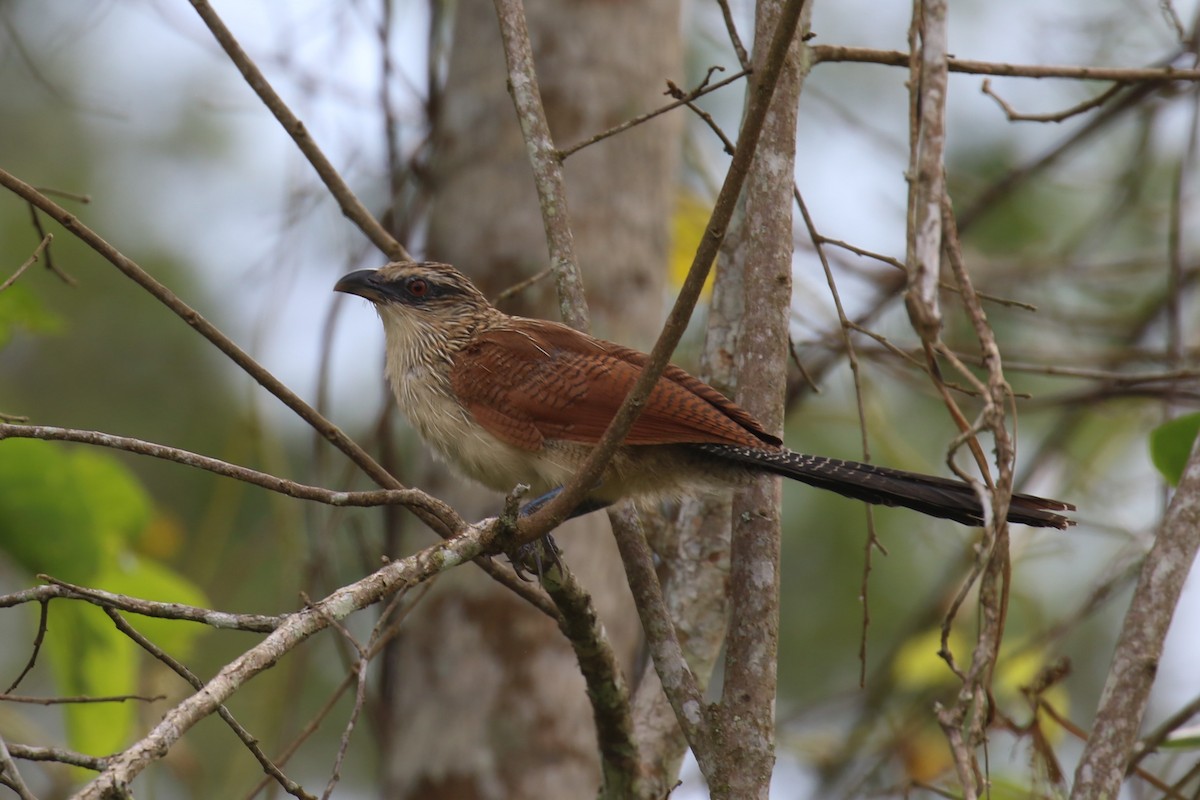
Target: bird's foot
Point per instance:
(531, 555)
(535, 556)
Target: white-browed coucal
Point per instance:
(511, 400)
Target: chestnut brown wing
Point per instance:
(536, 380)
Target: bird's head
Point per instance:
(419, 300)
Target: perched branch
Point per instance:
(606, 685)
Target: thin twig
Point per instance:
(734, 39)
(251, 743)
(36, 219)
(360, 697)
(894, 58)
(39, 637)
(254, 623)
(380, 638)
(944, 285)
(78, 700)
(1056, 116)
(521, 286)
(11, 775)
(29, 262)
(872, 542)
(680, 99)
(410, 498)
(313, 725)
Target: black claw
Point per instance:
(532, 556)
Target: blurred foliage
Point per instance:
(1171, 444)
(688, 222)
(76, 514)
(20, 310)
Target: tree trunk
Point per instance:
(488, 698)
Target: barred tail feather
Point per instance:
(929, 494)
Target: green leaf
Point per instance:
(91, 658)
(45, 526)
(20, 308)
(1183, 739)
(1171, 445)
(119, 505)
(75, 512)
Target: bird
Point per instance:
(510, 400)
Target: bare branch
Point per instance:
(678, 682)
(1058, 116)
(29, 262)
(1110, 747)
(10, 775)
(79, 699)
(255, 623)
(606, 685)
(410, 498)
(545, 160)
(682, 98)
(251, 743)
(58, 755)
(894, 58)
(926, 167)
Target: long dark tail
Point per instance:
(929, 494)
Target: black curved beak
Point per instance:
(364, 283)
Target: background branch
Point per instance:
(354, 210)
(1110, 747)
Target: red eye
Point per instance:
(418, 287)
